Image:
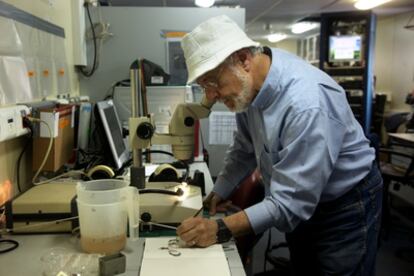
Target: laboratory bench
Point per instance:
(26, 258)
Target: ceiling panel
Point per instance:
(275, 15)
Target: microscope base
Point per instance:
(169, 209)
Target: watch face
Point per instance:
(223, 233)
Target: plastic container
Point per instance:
(101, 191)
(60, 259)
(104, 208)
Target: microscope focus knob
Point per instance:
(145, 130)
(146, 217)
(189, 121)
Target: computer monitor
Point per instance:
(107, 121)
(345, 48)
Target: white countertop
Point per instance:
(26, 259)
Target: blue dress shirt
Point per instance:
(301, 134)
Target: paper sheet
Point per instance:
(222, 125)
(52, 119)
(192, 261)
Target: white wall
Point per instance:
(137, 34)
(394, 59)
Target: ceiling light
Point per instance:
(276, 37)
(369, 4)
(302, 27)
(204, 3)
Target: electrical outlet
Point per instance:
(11, 122)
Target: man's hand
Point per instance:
(198, 231)
(215, 203)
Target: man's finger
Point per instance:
(224, 206)
(207, 200)
(187, 225)
(212, 211)
(213, 204)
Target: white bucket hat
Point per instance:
(210, 43)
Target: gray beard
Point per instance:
(242, 101)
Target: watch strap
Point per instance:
(223, 233)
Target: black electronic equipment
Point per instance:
(110, 134)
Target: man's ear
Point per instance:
(245, 59)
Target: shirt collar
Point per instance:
(270, 88)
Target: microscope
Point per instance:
(169, 202)
(164, 202)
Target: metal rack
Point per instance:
(356, 77)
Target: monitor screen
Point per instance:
(112, 129)
(345, 48)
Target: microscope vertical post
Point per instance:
(137, 169)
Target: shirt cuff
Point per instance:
(258, 216)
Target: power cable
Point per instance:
(13, 245)
(95, 50)
(29, 140)
(124, 82)
(49, 149)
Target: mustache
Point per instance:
(224, 99)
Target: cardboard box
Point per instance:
(61, 122)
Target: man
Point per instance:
(294, 124)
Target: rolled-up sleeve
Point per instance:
(307, 150)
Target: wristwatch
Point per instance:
(223, 233)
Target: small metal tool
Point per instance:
(198, 212)
(160, 225)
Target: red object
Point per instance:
(249, 192)
(196, 138)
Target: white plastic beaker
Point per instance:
(104, 208)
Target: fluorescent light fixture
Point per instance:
(276, 37)
(369, 4)
(204, 3)
(302, 27)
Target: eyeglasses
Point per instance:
(212, 80)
